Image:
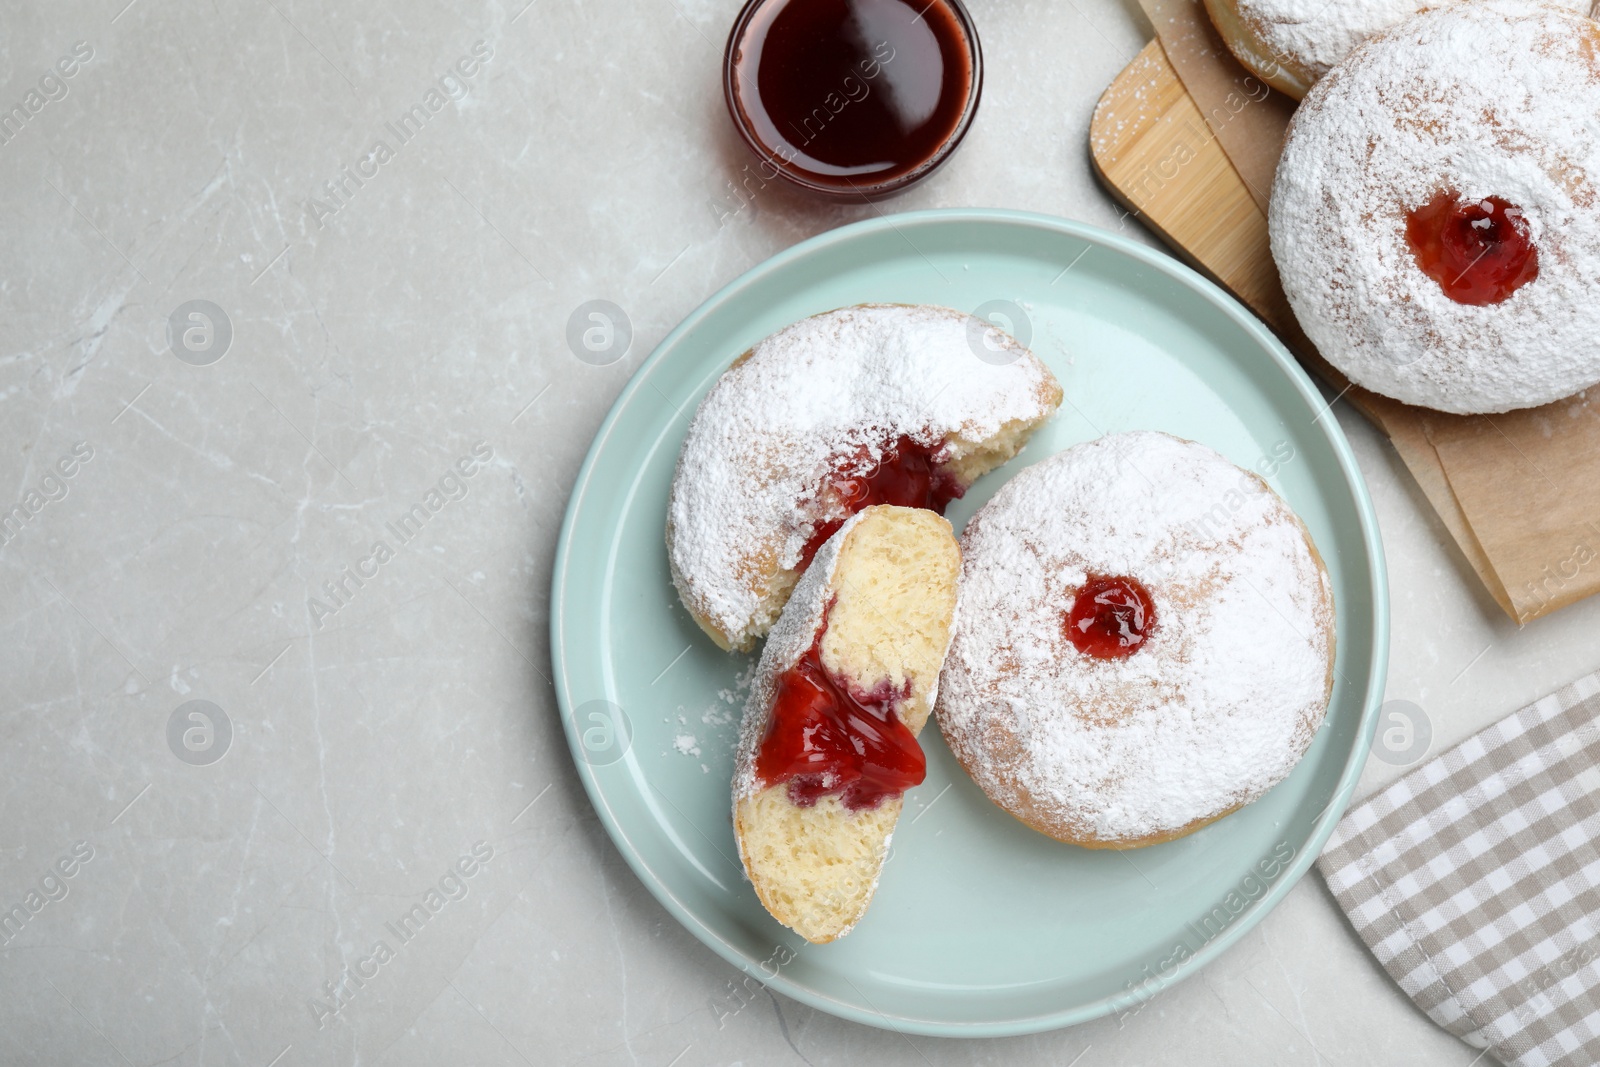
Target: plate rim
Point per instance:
(1371, 539)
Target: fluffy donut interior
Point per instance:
(894, 588)
(971, 460)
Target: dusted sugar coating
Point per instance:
(1291, 44)
(1493, 99)
(816, 408)
(1218, 703)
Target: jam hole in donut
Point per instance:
(823, 738)
(1479, 251)
(905, 476)
(1111, 617)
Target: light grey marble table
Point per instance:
(393, 321)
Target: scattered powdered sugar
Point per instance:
(1220, 702)
(1313, 35)
(741, 689)
(720, 716)
(729, 701)
(1491, 98)
(765, 439)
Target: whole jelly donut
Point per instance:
(875, 404)
(1290, 44)
(1435, 217)
(1144, 642)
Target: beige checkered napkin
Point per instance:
(1475, 880)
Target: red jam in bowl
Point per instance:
(852, 97)
(1479, 251)
(823, 738)
(1111, 617)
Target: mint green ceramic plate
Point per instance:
(980, 925)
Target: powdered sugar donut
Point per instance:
(877, 404)
(1144, 642)
(827, 748)
(1435, 216)
(1290, 44)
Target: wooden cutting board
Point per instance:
(1153, 150)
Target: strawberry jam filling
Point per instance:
(905, 475)
(1479, 251)
(1111, 617)
(825, 738)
